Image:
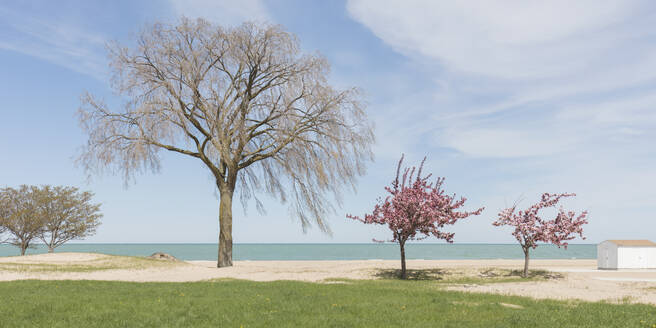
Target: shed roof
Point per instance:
(642, 242)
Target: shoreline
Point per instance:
(327, 251)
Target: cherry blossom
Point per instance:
(531, 228)
(416, 209)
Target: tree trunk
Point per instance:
(53, 240)
(225, 227)
(526, 250)
(404, 275)
(23, 248)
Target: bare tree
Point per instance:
(67, 214)
(4, 214)
(244, 101)
(22, 217)
(2, 230)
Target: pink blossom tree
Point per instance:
(531, 228)
(415, 209)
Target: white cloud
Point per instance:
(225, 12)
(543, 69)
(504, 39)
(492, 143)
(637, 110)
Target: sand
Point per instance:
(579, 279)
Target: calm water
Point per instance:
(259, 252)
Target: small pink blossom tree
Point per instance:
(416, 209)
(530, 228)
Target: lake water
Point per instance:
(260, 252)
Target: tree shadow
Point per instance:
(425, 274)
(541, 274)
(463, 275)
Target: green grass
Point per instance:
(236, 303)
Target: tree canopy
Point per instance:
(68, 214)
(54, 215)
(22, 217)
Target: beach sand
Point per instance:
(578, 279)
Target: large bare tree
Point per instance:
(246, 102)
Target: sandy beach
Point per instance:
(572, 279)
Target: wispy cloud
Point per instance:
(506, 39)
(67, 44)
(531, 61)
(53, 41)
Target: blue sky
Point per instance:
(508, 99)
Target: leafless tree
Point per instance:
(4, 214)
(245, 101)
(21, 217)
(67, 214)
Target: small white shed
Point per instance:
(626, 254)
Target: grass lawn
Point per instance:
(235, 303)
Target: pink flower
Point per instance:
(416, 208)
(530, 228)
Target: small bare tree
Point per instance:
(67, 214)
(245, 102)
(22, 217)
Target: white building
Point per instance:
(626, 254)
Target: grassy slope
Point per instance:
(236, 303)
(106, 262)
